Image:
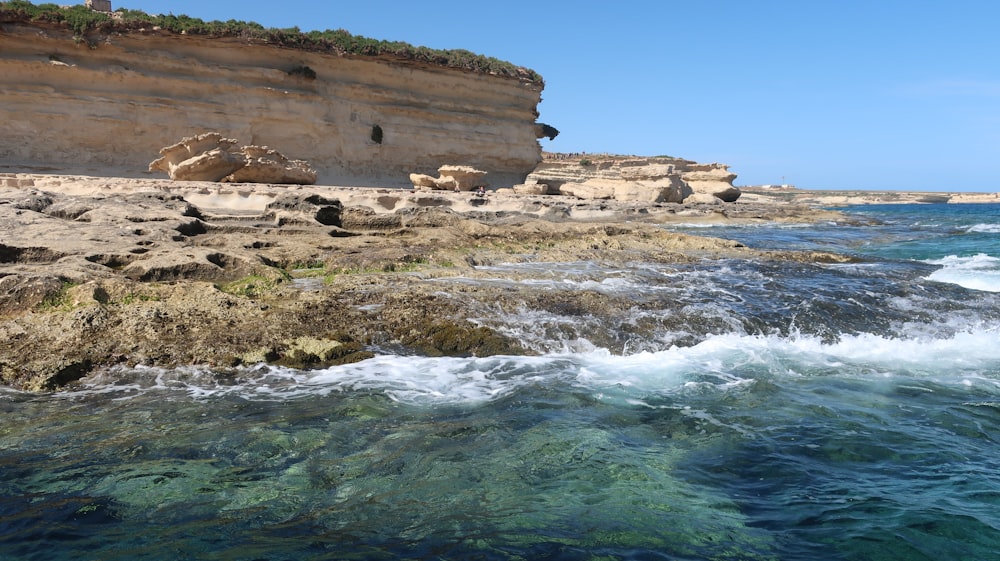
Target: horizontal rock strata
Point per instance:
(106, 104)
(630, 178)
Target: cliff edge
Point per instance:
(105, 104)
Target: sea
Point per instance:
(753, 410)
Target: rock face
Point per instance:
(628, 178)
(264, 165)
(451, 178)
(712, 180)
(105, 104)
(209, 157)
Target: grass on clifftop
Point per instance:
(82, 20)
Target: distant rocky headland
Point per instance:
(845, 197)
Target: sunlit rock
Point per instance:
(451, 178)
(210, 157)
(632, 178)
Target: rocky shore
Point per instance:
(103, 272)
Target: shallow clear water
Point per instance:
(759, 411)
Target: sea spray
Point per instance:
(978, 272)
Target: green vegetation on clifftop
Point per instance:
(83, 20)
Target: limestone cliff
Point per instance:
(632, 178)
(106, 105)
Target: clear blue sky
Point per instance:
(849, 94)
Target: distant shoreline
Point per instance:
(849, 197)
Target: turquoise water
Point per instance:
(737, 411)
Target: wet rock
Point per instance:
(313, 352)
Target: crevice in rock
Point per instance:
(192, 228)
(111, 261)
(13, 254)
(68, 374)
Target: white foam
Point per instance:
(436, 380)
(985, 229)
(964, 351)
(978, 272)
(969, 359)
(719, 363)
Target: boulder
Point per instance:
(531, 189)
(204, 157)
(423, 182)
(263, 165)
(210, 157)
(451, 178)
(213, 165)
(713, 179)
(464, 178)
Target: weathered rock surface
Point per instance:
(629, 178)
(205, 157)
(263, 165)
(209, 157)
(712, 180)
(105, 104)
(96, 272)
(450, 178)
